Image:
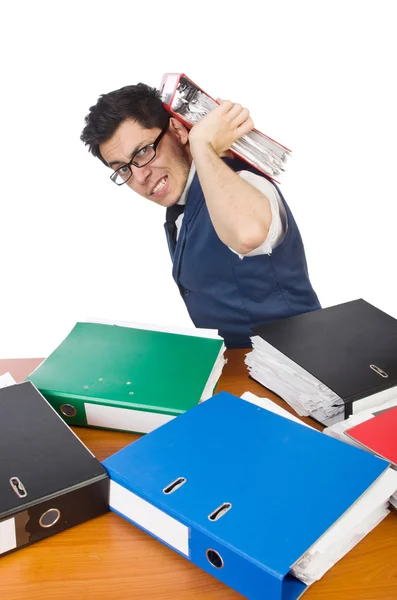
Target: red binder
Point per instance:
(181, 97)
(379, 434)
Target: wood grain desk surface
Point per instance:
(108, 558)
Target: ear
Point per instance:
(179, 130)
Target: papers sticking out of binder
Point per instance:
(267, 507)
(328, 363)
(189, 103)
(129, 376)
(304, 393)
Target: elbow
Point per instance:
(249, 242)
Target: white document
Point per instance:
(273, 407)
(6, 380)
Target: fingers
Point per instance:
(225, 105)
(245, 127)
(240, 119)
(230, 122)
(236, 114)
(229, 107)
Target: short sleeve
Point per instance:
(278, 225)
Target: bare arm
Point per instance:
(240, 214)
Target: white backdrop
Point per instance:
(319, 77)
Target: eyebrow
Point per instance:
(134, 151)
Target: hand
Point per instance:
(221, 127)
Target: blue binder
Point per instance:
(241, 492)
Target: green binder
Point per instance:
(127, 378)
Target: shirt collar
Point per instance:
(182, 199)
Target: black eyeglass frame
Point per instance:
(131, 162)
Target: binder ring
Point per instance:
(220, 511)
(175, 485)
(18, 487)
(378, 370)
(49, 518)
(214, 558)
(68, 410)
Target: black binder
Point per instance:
(350, 347)
(49, 481)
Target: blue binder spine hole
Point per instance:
(175, 485)
(214, 558)
(220, 511)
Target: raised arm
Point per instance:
(240, 213)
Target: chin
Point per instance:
(171, 202)
(166, 202)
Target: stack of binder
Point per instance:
(129, 378)
(328, 363)
(189, 103)
(267, 508)
(49, 481)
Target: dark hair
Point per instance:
(138, 102)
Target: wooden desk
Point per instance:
(108, 558)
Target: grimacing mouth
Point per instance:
(152, 191)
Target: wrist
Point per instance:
(200, 145)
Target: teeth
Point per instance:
(159, 186)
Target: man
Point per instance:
(238, 257)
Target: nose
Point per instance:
(141, 175)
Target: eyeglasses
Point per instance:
(141, 158)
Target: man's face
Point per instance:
(163, 179)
